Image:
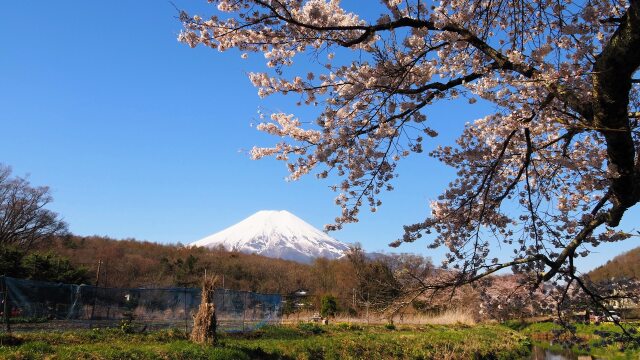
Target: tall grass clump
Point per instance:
(451, 317)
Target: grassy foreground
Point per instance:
(303, 342)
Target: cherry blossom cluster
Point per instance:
(535, 175)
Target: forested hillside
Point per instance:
(625, 265)
(381, 282)
(132, 263)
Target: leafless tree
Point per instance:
(24, 221)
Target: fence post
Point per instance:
(6, 309)
(244, 310)
(104, 284)
(186, 323)
(367, 308)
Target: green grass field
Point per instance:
(303, 342)
(309, 341)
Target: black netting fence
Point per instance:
(64, 305)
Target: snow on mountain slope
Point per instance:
(278, 234)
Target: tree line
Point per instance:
(35, 244)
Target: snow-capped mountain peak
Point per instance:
(278, 234)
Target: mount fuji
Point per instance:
(277, 234)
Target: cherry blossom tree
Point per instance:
(549, 174)
(504, 298)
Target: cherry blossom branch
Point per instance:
(501, 61)
(561, 145)
(435, 86)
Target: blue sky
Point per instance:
(140, 136)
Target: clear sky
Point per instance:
(140, 136)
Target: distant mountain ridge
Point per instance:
(277, 234)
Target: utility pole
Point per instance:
(98, 273)
(95, 292)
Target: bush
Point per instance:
(16, 262)
(516, 325)
(328, 306)
(310, 328)
(28, 320)
(10, 340)
(168, 335)
(348, 326)
(390, 326)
